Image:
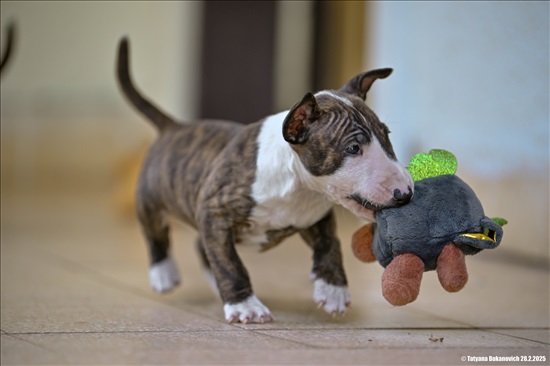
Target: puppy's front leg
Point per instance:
(240, 303)
(330, 283)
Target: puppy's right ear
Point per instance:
(361, 83)
(298, 120)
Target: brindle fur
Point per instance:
(323, 156)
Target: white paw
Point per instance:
(333, 299)
(164, 276)
(250, 310)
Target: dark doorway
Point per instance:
(237, 60)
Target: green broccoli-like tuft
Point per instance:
(433, 164)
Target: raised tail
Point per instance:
(9, 47)
(152, 112)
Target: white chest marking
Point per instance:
(282, 199)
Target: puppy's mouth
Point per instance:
(365, 202)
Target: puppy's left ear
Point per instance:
(298, 120)
(361, 84)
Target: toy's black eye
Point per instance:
(353, 149)
(491, 234)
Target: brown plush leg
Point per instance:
(401, 279)
(451, 268)
(361, 244)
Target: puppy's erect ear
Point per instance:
(361, 84)
(298, 120)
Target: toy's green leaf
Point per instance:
(499, 220)
(435, 163)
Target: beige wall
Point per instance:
(67, 50)
(293, 52)
(61, 107)
(60, 100)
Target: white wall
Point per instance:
(469, 76)
(473, 78)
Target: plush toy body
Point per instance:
(443, 222)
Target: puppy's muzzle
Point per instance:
(399, 199)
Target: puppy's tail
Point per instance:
(152, 112)
(9, 46)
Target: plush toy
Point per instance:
(443, 222)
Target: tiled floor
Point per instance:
(75, 291)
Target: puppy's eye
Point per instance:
(353, 149)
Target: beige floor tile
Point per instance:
(241, 348)
(403, 338)
(19, 351)
(40, 295)
(152, 347)
(497, 295)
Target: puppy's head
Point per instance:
(346, 150)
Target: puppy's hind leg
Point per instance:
(163, 273)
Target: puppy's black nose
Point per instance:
(402, 198)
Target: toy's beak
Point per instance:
(487, 235)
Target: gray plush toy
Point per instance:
(443, 222)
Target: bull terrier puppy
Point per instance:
(260, 183)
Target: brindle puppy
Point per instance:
(263, 182)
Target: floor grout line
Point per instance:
(239, 329)
(518, 337)
(124, 332)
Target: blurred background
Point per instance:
(469, 77)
